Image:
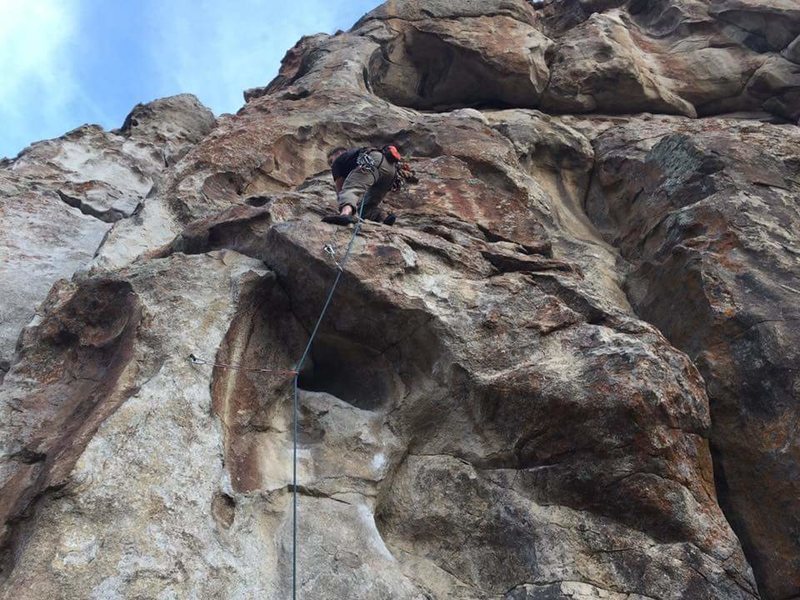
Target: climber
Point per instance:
(368, 174)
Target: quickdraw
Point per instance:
(331, 251)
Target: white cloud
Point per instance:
(36, 77)
(217, 49)
(212, 48)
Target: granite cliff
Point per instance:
(570, 370)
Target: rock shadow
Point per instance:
(357, 374)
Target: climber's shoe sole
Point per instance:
(339, 219)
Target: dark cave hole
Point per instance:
(357, 374)
(421, 70)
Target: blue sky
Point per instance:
(68, 62)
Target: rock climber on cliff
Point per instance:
(365, 175)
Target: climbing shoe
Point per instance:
(390, 220)
(339, 219)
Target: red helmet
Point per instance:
(393, 152)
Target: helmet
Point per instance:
(392, 153)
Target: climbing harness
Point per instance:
(366, 161)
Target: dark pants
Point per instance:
(368, 185)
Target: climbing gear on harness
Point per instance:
(365, 161)
(348, 161)
(403, 177)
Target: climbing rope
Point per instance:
(297, 369)
(328, 249)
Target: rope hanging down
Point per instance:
(295, 407)
(296, 373)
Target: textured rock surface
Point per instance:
(576, 56)
(708, 215)
(103, 176)
(569, 371)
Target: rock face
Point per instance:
(59, 198)
(669, 56)
(569, 371)
(707, 213)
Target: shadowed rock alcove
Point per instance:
(422, 70)
(355, 373)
